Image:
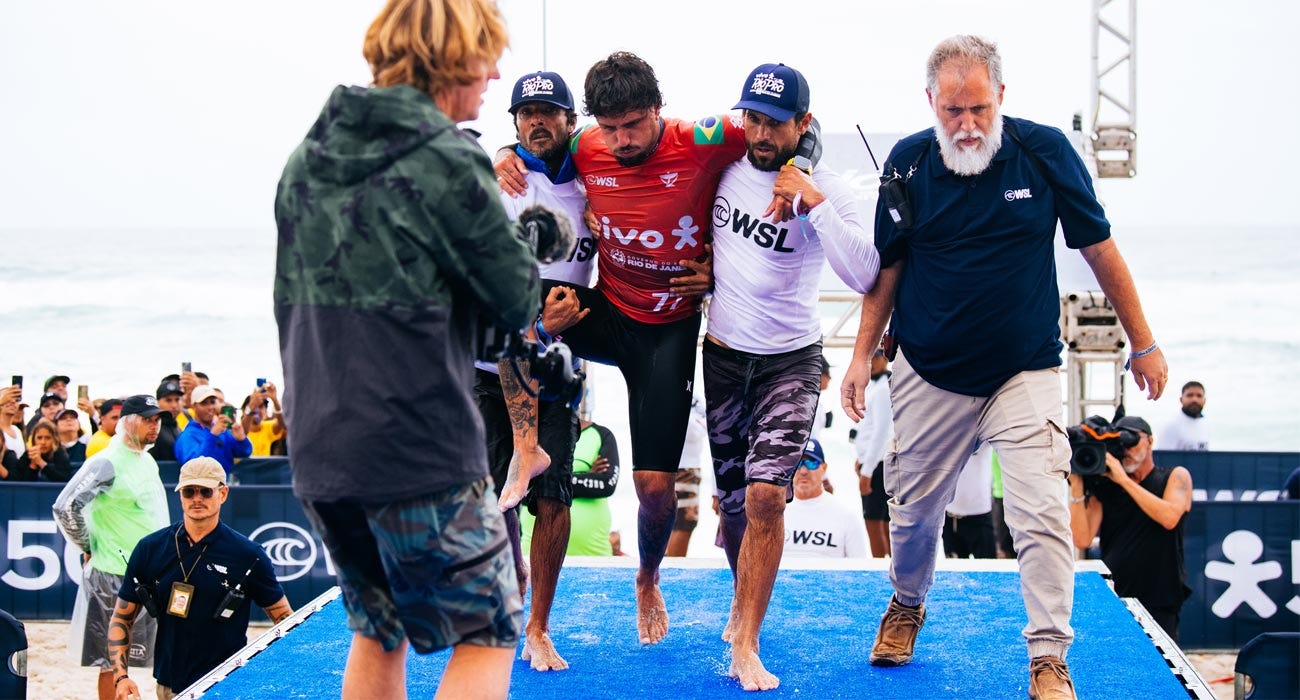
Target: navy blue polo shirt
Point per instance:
(977, 302)
(187, 648)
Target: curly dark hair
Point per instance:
(619, 84)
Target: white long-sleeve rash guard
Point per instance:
(766, 273)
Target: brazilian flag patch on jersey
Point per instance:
(573, 140)
(709, 131)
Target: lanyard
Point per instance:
(180, 562)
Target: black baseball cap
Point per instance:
(56, 378)
(108, 405)
(140, 405)
(51, 396)
(168, 387)
(776, 90)
(542, 86)
(1134, 423)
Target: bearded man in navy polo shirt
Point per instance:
(971, 280)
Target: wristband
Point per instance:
(542, 335)
(1080, 499)
(1140, 353)
(119, 679)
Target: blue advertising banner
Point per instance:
(41, 572)
(1243, 564)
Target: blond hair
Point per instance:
(433, 45)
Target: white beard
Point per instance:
(969, 161)
(1133, 462)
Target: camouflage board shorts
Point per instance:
(761, 410)
(435, 569)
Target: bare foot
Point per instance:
(541, 653)
(729, 632)
(651, 613)
(523, 467)
(746, 668)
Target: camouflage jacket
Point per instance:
(393, 249)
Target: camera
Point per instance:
(557, 380)
(549, 237)
(1092, 439)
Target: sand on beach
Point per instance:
(52, 676)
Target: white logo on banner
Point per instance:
(291, 549)
(1243, 575)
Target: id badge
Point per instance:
(179, 602)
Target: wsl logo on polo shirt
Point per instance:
(1013, 195)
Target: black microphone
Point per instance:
(548, 235)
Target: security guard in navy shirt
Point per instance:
(197, 577)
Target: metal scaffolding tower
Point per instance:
(1095, 343)
(1114, 88)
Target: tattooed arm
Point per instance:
(119, 643)
(278, 610)
(529, 458)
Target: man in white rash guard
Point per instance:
(762, 353)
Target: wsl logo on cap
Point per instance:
(537, 85)
(767, 84)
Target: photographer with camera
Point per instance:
(393, 256)
(1139, 510)
(197, 578)
(213, 432)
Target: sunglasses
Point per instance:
(192, 491)
(810, 464)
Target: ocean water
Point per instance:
(117, 310)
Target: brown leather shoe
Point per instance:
(897, 634)
(1049, 679)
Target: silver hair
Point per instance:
(969, 50)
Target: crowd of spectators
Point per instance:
(51, 442)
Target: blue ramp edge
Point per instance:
(816, 638)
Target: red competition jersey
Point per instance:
(655, 214)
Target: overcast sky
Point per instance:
(166, 114)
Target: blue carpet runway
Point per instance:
(816, 639)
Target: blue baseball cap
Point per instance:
(776, 90)
(814, 448)
(542, 86)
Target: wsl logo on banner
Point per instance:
(291, 549)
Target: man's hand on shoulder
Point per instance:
(511, 171)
